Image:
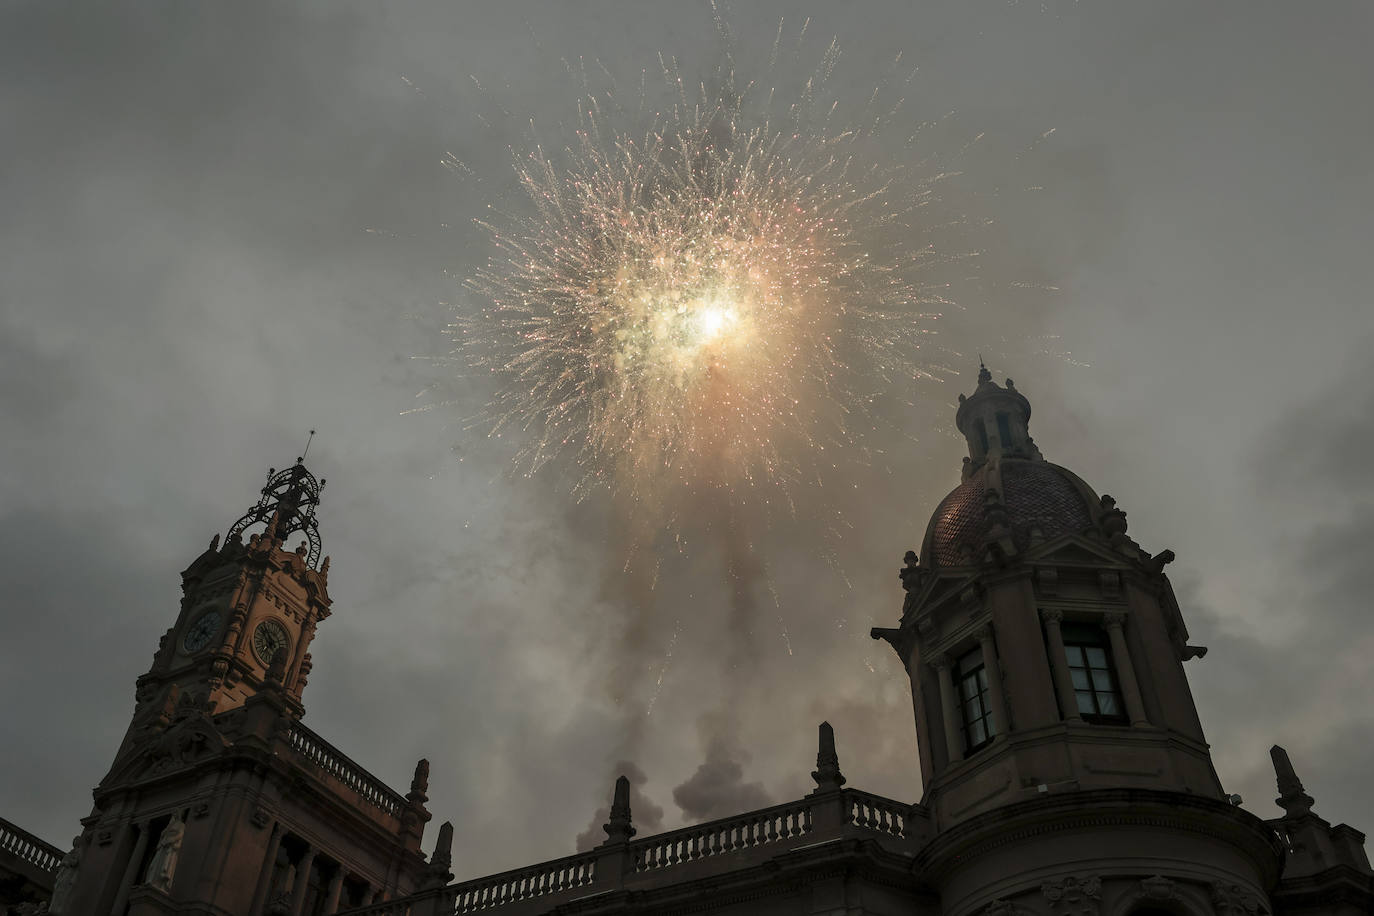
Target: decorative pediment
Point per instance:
(1074, 550)
(190, 737)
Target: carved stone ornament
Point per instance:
(1074, 894)
(260, 818)
(200, 810)
(1234, 900)
(1158, 887)
(999, 908)
(191, 737)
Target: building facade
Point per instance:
(1064, 765)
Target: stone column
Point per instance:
(302, 881)
(1125, 672)
(331, 896)
(1059, 663)
(993, 668)
(950, 704)
(269, 865)
(126, 883)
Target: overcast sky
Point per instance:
(223, 225)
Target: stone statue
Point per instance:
(164, 864)
(66, 878)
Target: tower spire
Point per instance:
(287, 505)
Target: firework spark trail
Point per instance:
(708, 302)
(696, 313)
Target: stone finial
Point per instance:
(443, 846)
(276, 671)
(619, 829)
(441, 860)
(1292, 798)
(827, 775)
(214, 542)
(419, 783)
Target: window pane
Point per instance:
(1109, 705)
(1080, 678)
(1096, 657)
(1085, 701)
(982, 679)
(1075, 655)
(968, 688)
(976, 734)
(1102, 680)
(1004, 430)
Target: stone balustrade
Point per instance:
(873, 812)
(539, 880)
(337, 765)
(715, 838)
(26, 847)
(792, 825)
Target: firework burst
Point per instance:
(711, 298)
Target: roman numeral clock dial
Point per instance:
(199, 634)
(267, 639)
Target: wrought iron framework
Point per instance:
(287, 505)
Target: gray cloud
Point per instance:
(227, 225)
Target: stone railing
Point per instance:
(873, 812)
(336, 764)
(26, 847)
(809, 820)
(744, 831)
(521, 884)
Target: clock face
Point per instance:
(199, 634)
(267, 639)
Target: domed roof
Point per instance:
(1033, 494)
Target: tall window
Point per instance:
(975, 707)
(982, 432)
(1004, 430)
(1095, 686)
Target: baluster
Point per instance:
(772, 827)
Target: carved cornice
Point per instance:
(1086, 809)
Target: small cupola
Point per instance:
(995, 421)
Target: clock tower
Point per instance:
(220, 801)
(247, 600)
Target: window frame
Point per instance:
(970, 666)
(1079, 637)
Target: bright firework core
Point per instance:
(707, 303)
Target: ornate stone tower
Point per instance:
(219, 800)
(1045, 650)
(244, 603)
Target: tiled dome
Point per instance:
(1036, 494)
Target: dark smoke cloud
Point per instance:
(717, 788)
(646, 816)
